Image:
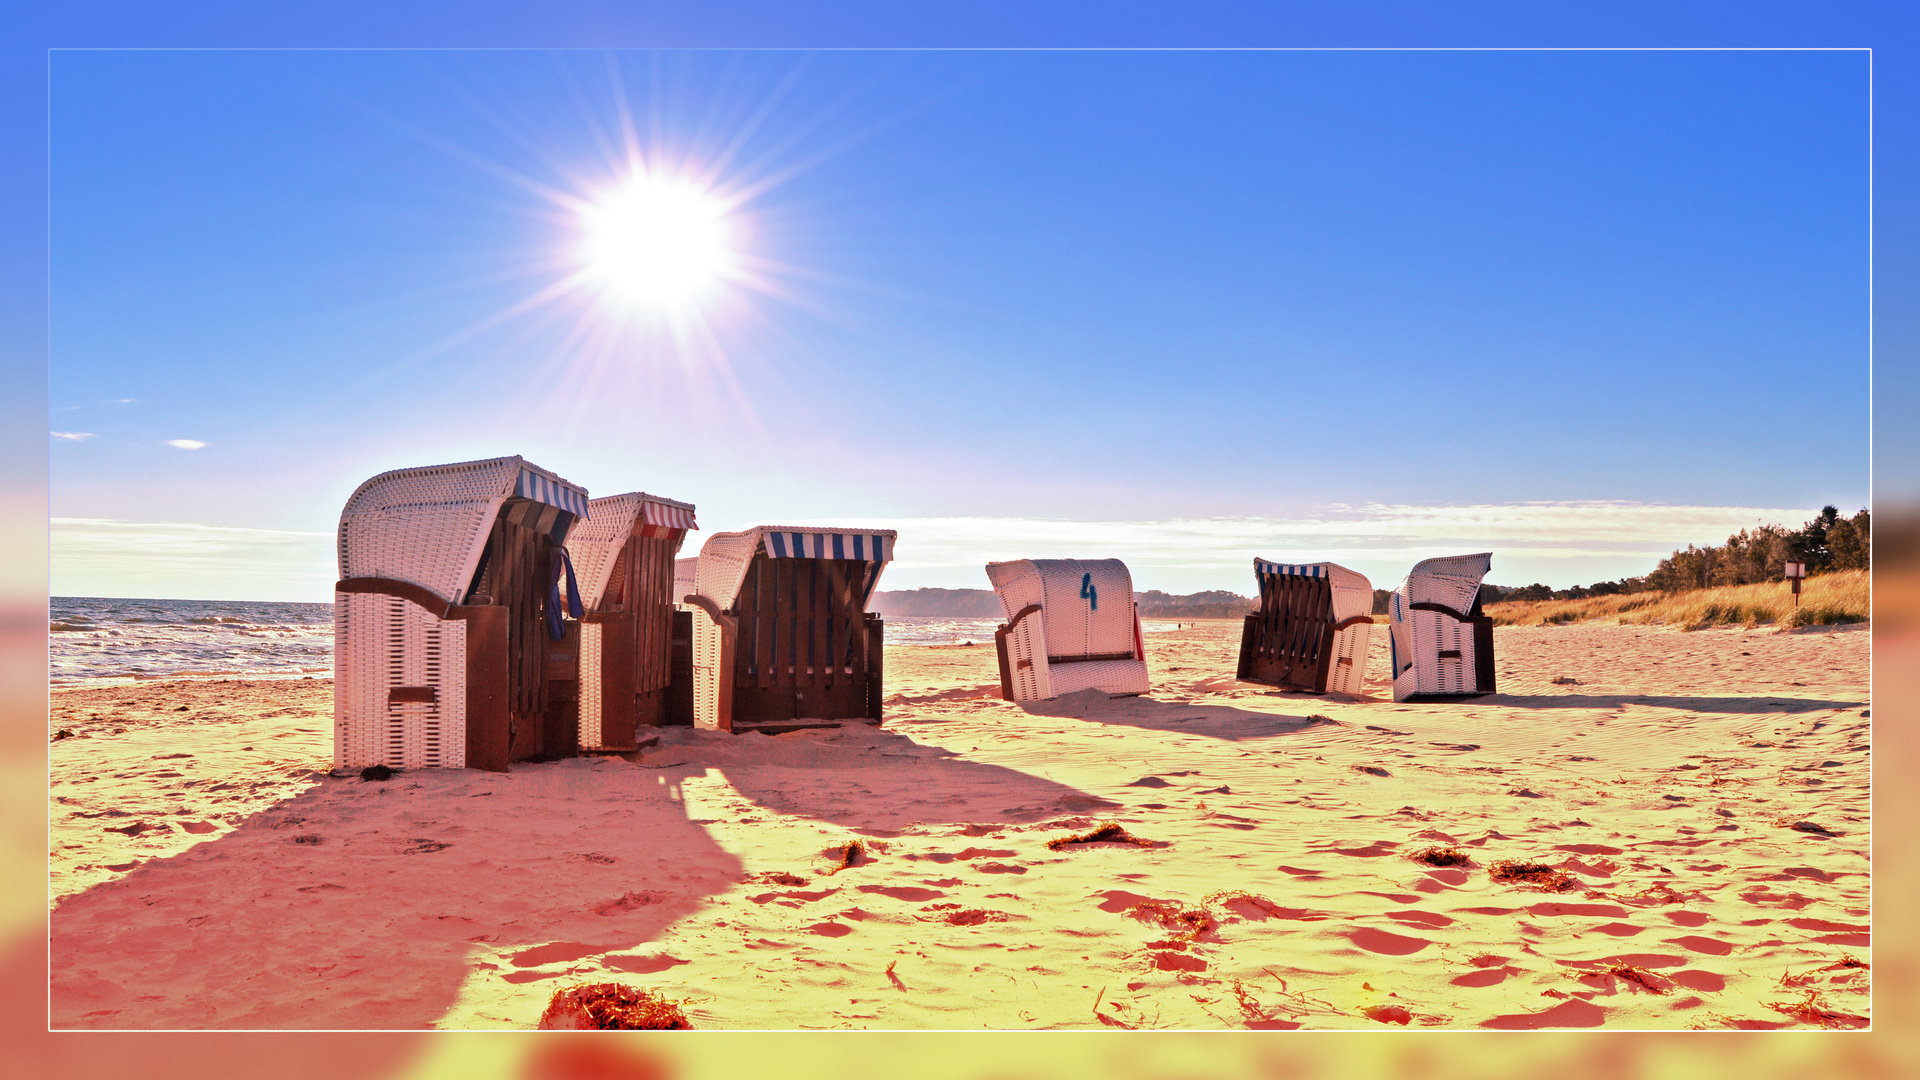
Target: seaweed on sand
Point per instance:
(1106, 833)
(1532, 875)
(1442, 856)
(612, 1007)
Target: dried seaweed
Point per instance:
(1638, 976)
(1442, 856)
(1108, 832)
(1533, 875)
(613, 1007)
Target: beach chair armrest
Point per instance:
(1428, 605)
(406, 590)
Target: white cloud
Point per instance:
(104, 557)
(1569, 542)
(72, 436)
(186, 444)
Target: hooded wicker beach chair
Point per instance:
(624, 554)
(686, 579)
(1312, 630)
(451, 646)
(1072, 624)
(1442, 644)
(781, 634)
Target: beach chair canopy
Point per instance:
(724, 558)
(1452, 582)
(1352, 592)
(1439, 642)
(428, 526)
(597, 542)
(1088, 603)
(685, 578)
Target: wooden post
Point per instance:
(488, 743)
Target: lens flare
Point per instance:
(657, 243)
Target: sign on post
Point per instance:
(1794, 572)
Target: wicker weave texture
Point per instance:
(1453, 581)
(1432, 633)
(1027, 644)
(427, 525)
(384, 642)
(708, 669)
(595, 543)
(1348, 674)
(685, 579)
(590, 689)
(1110, 676)
(722, 564)
(1088, 602)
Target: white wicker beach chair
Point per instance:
(624, 554)
(781, 634)
(1072, 624)
(1442, 644)
(1312, 630)
(685, 579)
(428, 671)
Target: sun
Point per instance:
(657, 242)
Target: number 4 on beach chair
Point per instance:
(1071, 625)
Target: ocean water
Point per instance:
(95, 639)
(100, 640)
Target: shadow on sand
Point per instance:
(1753, 703)
(368, 904)
(872, 780)
(358, 905)
(1212, 721)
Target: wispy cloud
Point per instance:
(186, 444)
(72, 436)
(122, 400)
(1568, 541)
(105, 557)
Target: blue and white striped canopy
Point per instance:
(540, 487)
(871, 547)
(1262, 567)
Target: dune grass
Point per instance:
(1843, 597)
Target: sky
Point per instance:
(1183, 308)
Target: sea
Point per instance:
(95, 640)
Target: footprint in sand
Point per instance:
(1380, 941)
(555, 952)
(903, 892)
(642, 964)
(1577, 1013)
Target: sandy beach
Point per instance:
(1699, 802)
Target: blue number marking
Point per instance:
(1088, 593)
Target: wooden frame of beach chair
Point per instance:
(442, 655)
(1060, 636)
(781, 635)
(1312, 630)
(624, 556)
(1442, 645)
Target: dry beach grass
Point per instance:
(1299, 867)
(1827, 600)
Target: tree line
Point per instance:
(1827, 543)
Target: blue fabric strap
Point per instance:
(558, 562)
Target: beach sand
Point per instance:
(1704, 797)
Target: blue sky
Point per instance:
(1194, 301)
(1097, 286)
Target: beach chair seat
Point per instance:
(781, 637)
(624, 553)
(1312, 629)
(1072, 624)
(445, 617)
(1442, 644)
